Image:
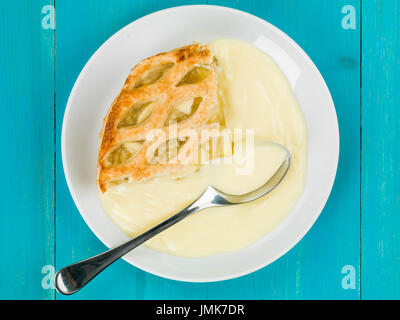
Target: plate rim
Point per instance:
(306, 58)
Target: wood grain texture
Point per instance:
(27, 137)
(380, 150)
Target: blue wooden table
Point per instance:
(353, 250)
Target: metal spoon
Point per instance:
(74, 277)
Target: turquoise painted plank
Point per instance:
(81, 28)
(313, 269)
(27, 138)
(380, 150)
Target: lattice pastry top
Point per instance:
(165, 100)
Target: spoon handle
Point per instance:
(74, 277)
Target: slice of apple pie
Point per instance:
(156, 125)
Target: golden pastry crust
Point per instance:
(151, 90)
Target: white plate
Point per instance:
(101, 80)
